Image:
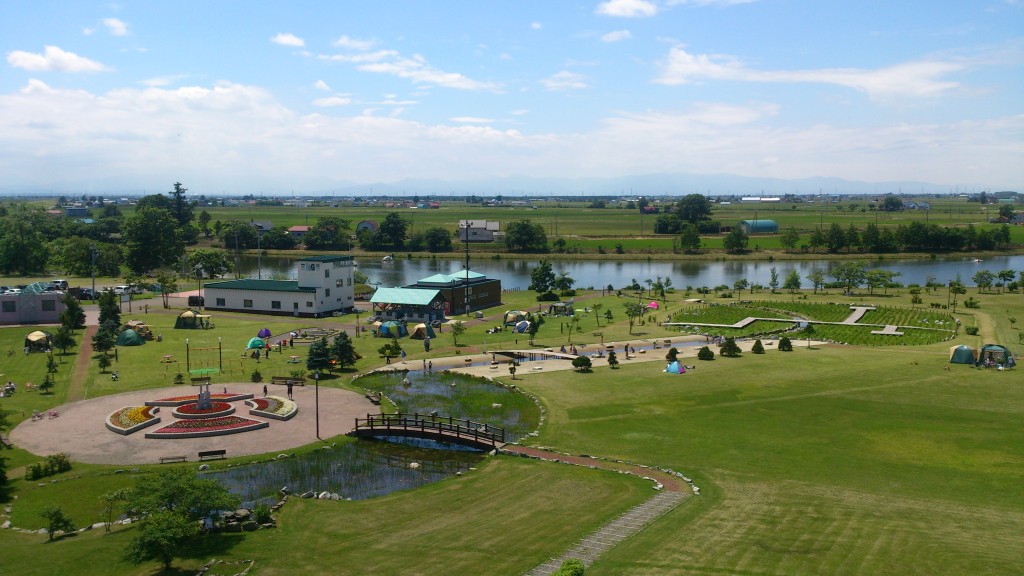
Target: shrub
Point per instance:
(757, 348)
(785, 345)
(262, 513)
(729, 348)
(672, 354)
(57, 521)
(972, 303)
(582, 363)
(571, 567)
(613, 361)
(705, 353)
(54, 464)
(971, 330)
(256, 376)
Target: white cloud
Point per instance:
(233, 138)
(413, 68)
(53, 59)
(332, 101)
(920, 78)
(471, 120)
(88, 31)
(616, 36)
(116, 27)
(711, 2)
(286, 39)
(627, 8)
(536, 25)
(159, 81)
(321, 85)
(353, 43)
(564, 80)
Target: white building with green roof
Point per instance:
(324, 286)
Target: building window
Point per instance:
(309, 304)
(327, 293)
(220, 302)
(349, 281)
(295, 305)
(275, 304)
(9, 306)
(49, 305)
(327, 272)
(247, 303)
(339, 283)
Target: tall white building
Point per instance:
(324, 286)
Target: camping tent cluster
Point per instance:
(513, 317)
(987, 355)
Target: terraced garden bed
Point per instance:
(191, 411)
(204, 427)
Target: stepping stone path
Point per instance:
(634, 520)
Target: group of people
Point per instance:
(8, 390)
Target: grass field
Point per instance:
(831, 460)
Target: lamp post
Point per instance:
(465, 288)
(94, 272)
(316, 381)
(199, 277)
(259, 254)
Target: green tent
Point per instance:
(961, 355)
(130, 337)
(255, 342)
(187, 319)
(994, 353)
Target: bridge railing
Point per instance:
(459, 428)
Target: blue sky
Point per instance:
(241, 97)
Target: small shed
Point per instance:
(759, 226)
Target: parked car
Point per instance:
(86, 294)
(197, 300)
(59, 284)
(122, 289)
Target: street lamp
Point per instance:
(316, 381)
(94, 272)
(199, 276)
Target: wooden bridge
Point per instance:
(431, 427)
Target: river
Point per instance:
(515, 273)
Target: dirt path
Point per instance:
(671, 482)
(80, 373)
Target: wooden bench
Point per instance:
(374, 397)
(6, 441)
(207, 454)
(201, 380)
(283, 380)
(166, 459)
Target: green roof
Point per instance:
(449, 278)
(414, 296)
(324, 258)
(265, 285)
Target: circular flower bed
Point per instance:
(198, 428)
(192, 411)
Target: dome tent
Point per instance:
(393, 329)
(422, 331)
(38, 340)
(514, 316)
(675, 368)
(187, 319)
(129, 337)
(264, 333)
(522, 326)
(961, 354)
(995, 353)
(256, 343)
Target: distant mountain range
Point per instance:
(526, 186)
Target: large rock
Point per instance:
(250, 526)
(5, 525)
(242, 514)
(232, 527)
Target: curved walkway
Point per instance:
(80, 429)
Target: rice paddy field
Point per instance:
(856, 459)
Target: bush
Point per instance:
(705, 353)
(613, 361)
(758, 348)
(672, 354)
(582, 363)
(261, 513)
(972, 303)
(571, 567)
(54, 464)
(785, 345)
(971, 330)
(256, 376)
(729, 348)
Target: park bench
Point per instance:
(6, 441)
(201, 380)
(166, 459)
(284, 380)
(207, 454)
(373, 397)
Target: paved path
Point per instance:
(857, 314)
(80, 430)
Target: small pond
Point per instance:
(460, 396)
(356, 470)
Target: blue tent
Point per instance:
(675, 368)
(394, 329)
(255, 343)
(522, 326)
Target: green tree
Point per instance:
(634, 311)
(433, 240)
(204, 222)
(181, 208)
(23, 249)
(64, 339)
(563, 283)
(817, 278)
(785, 345)
(168, 282)
(736, 240)
(110, 311)
(597, 307)
(773, 283)
(757, 348)
(790, 238)
(113, 502)
(730, 348)
(524, 236)
(613, 361)
(318, 356)
(392, 231)
(512, 366)
(162, 535)
(56, 521)
(850, 275)
(151, 239)
(689, 238)
(542, 279)
(693, 208)
(212, 263)
(458, 329)
(535, 323)
(329, 233)
(835, 238)
(343, 351)
(73, 316)
(582, 363)
(983, 279)
(705, 353)
(892, 204)
(792, 281)
(238, 234)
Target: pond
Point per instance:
(354, 470)
(370, 468)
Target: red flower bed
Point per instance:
(214, 408)
(207, 425)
